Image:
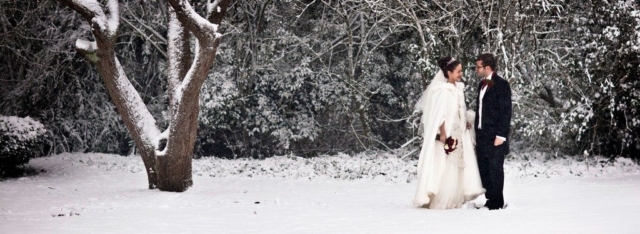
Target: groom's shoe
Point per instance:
(482, 207)
(500, 207)
(492, 207)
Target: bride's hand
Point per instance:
(443, 138)
(468, 126)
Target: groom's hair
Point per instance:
(487, 60)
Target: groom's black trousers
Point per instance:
(491, 166)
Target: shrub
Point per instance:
(20, 140)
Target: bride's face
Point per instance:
(456, 75)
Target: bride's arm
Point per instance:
(443, 135)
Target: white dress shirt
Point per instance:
(482, 92)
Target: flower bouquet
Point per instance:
(450, 144)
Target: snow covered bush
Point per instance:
(605, 103)
(20, 140)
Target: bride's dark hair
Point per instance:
(447, 64)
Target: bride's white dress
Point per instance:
(446, 181)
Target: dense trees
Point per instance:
(322, 76)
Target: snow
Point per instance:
(91, 5)
(22, 129)
(94, 6)
(102, 193)
(108, 23)
(113, 18)
(187, 77)
(175, 29)
(201, 22)
(141, 116)
(211, 5)
(161, 136)
(86, 45)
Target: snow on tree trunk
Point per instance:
(167, 155)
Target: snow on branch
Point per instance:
(188, 77)
(113, 17)
(160, 149)
(91, 5)
(213, 5)
(207, 35)
(88, 46)
(92, 11)
(175, 30)
(87, 49)
(140, 115)
(192, 20)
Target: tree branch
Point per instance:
(101, 53)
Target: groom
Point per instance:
(493, 116)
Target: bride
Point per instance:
(446, 178)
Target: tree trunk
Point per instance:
(174, 168)
(166, 156)
(108, 68)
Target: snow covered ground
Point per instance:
(367, 193)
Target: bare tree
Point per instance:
(166, 154)
(363, 30)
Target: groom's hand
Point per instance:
(498, 142)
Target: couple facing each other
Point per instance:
(462, 154)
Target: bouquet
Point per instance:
(450, 144)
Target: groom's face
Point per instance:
(481, 70)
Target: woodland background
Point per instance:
(311, 77)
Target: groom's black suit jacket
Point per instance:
(496, 116)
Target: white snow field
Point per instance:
(102, 193)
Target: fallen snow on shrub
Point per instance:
(21, 129)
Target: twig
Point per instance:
(409, 142)
(410, 153)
